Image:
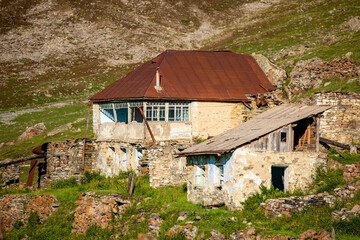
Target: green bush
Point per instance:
(71, 182)
(90, 176)
(344, 157)
(328, 180)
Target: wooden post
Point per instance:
(86, 135)
(308, 134)
(317, 134)
(131, 184)
(147, 124)
(31, 173)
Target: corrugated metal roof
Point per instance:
(191, 75)
(256, 127)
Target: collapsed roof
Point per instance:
(255, 128)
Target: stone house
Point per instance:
(278, 147)
(173, 99)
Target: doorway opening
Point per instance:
(278, 177)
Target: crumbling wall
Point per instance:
(351, 171)
(15, 208)
(341, 123)
(64, 160)
(164, 167)
(246, 169)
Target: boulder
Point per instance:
(275, 74)
(31, 132)
(63, 128)
(354, 24)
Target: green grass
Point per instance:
(52, 118)
(168, 202)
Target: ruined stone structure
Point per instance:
(15, 208)
(278, 147)
(92, 209)
(351, 171)
(341, 123)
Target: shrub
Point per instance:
(344, 157)
(71, 182)
(90, 176)
(328, 180)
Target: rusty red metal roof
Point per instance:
(191, 75)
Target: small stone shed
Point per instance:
(279, 146)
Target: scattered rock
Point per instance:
(92, 209)
(348, 54)
(216, 235)
(275, 74)
(354, 24)
(155, 223)
(309, 74)
(189, 231)
(64, 128)
(32, 132)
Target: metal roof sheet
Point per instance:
(191, 75)
(256, 127)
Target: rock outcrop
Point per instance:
(32, 132)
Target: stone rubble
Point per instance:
(348, 191)
(308, 74)
(345, 214)
(15, 208)
(154, 224)
(351, 171)
(286, 206)
(93, 209)
(189, 230)
(11, 175)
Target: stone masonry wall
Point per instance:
(64, 160)
(351, 171)
(164, 167)
(15, 208)
(342, 122)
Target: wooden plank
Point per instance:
(317, 134)
(337, 144)
(308, 134)
(19, 160)
(131, 184)
(147, 124)
(31, 173)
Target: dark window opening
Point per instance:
(283, 136)
(136, 114)
(303, 132)
(278, 177)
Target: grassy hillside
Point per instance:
(284, 31)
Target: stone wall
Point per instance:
(347, 191)
(64, 160)
(15, 208)
(342, 122)
(345, 214)
(164, 167)
(286, 206)
(92, 209)
(351, 171)
(246, 169)
(11, 174)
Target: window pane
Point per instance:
(162, 114)
(149, 113)
(185, 114)
(171, 114)
(155, 113)
(178, 113)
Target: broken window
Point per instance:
(135, 115)
(221, 174)
(106, 113)
(178, 111)
(199, 176)
(138, 155)
(278, 177)
(123, 158)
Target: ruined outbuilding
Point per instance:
(279, 147)
(170, 101)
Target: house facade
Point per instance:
(177, 97)
(279, 147)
